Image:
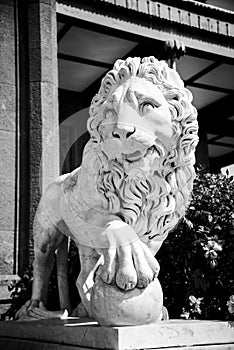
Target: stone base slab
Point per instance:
(75, 333)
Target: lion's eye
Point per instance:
(147, 107)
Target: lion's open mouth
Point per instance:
(138, 155)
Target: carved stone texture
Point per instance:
(173, 50)
(112, 306)
(131, 189)
(7, 138)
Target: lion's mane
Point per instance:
(151, 204)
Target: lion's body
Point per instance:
(132, 187)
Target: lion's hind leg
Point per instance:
(47, 238)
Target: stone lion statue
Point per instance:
(131, 190)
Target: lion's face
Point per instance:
(136, 123)
(143, 131)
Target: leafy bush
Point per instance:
(20, 293)
(197, 259)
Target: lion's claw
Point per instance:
(126, 277)
(109, 267)
(129, 266)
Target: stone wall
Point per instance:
(8, 138)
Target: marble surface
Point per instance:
(131, 190)
(88, 334)
(112, 306)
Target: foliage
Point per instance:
(197, 258)
(20, 293)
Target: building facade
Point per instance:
(53, 55)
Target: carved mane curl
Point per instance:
(153, 204)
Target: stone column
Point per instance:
(39, 113)
(29, 140)
(8, 146)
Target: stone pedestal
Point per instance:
(75, 333)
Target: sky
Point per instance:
(227, 4)
(230, 169)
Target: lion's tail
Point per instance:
(62, 274)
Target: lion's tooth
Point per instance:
(135, 156)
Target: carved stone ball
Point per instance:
(111, 306)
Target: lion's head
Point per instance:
(145, 129)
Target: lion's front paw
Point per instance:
(129, 266)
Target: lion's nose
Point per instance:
(121, 133)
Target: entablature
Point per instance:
(199, 26)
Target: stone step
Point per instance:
(75, 333)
